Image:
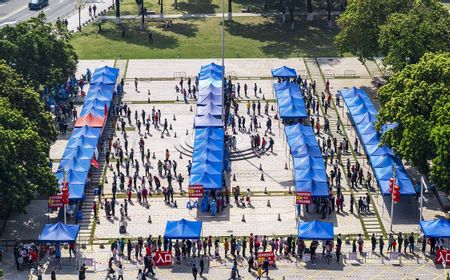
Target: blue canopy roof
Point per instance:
(290, 100)
(100, 91)
(209, 99)
(183, 229)
(104, 79)
(96, 107)
(206, 166)
(59, 233)
(316, 188)
(382, 158)
(208, 120)
(78, 153)
(110, 71)
(76, 181)
(215, 110)
(284, 72)
(209, 89)
(209, 181)
(86, 131)
(83, 142)
(203, 154)
(208, 82)
(316, 230)
(74, 164)
(439, 228)
(213, 133)
(211, 66)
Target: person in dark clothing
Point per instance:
(266, 267)
(251, 262)
(373, 240)
(194, 271)
(202, 266)
(381, 241)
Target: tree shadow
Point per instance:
(182, 28)
(196, 7)
(308, 38)
(134, 36)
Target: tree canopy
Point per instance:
(38, 50)
(360, 25)
(404, 38)
(418, 99)
(24, 162)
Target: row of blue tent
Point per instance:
(363, 114)
(309, 167)
(81, 148)
(289, 97)
(208, 152)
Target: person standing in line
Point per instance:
(381, 241)
(194, 271)
(202, 265)
(373, 240)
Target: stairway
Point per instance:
(373, 69)
(369, 222)
(87, 222)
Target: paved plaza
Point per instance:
(157, 80)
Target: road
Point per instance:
(14, 11)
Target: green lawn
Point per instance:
(129, 7)
(200, 38)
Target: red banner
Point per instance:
(195, 191)
(55, 201)
(163, 258)
(443, 256)
(303, 197)
(269, 255)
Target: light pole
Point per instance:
(79, 5)
(223, 61)
(392, 194)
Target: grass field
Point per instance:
(200, 38)
(129, 7)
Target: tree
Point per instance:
(418, 99)
(39, 51)
(19, 94)
(360, 25)
(404, 38)
(24, 164)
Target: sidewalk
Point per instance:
(73, 19)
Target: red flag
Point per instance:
(106, 110)
(95, 163)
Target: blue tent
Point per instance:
(59, 233)
(215, 110)
(83, 142)
(209, 82)
(211, 66)
(86, 131)
(209, 89)
(78, 153)
(96, 107)
(439, 228)
(110, 71)
(206, 166)
(208, 120)
(183, 229)
(76, 180)
(316, 230)
(209, 181)
(202, 154)
(284, 72)
(101, 91)
(210, 74)
(104, 79)
(308, 162)
(316, 188)
(75, 164)
(213, 133)
(386, 127)
(209, 99)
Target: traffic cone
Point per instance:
(265, 190)
(271, 107)
(260, 167)
(149, 219)
(234, 177)
(243, 218)
(190, 109)
(268, 203)
(187, 132)
(154, 156)
(148, 99)
(263, 98)
(175, 135)
(174, 118)
(290, 192)
(285, 166)
(181, 155)
(162, 135)
(279, 217)
(275, 117)
(260, 90)
(175, 204)
(262, 176)
(170, 127)
(106, 180)
(177, 98)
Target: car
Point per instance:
(37, 4)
